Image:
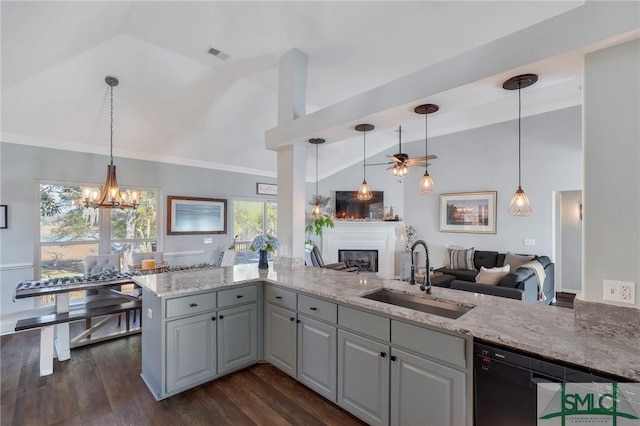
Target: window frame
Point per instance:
(104, 240)
(264, 201)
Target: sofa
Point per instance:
(519, 283)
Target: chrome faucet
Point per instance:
(426, 284)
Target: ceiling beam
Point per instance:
(590, 27)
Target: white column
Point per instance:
(611, 191)
(292, 159)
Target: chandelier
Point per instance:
(110, 196)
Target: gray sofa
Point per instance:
(520, 284)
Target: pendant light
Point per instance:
(110, 196)
(426, 183)
(364, 193)
(520, 205)
(316, 212)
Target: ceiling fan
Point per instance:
(401, 162)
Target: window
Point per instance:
(70, 232)
(252, 218)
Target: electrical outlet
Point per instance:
(619, 291)
(529, 242)
(208, 240)
(150, 313)
(627, 293)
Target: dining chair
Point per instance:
(95, 298)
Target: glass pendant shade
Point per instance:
(364, 193)
(316, 212)
(426, 185)
(520, 205)
(110, 196)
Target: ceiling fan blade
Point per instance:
(380, 164)
(394, 158)
(428, 157)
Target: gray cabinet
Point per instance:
(237, 337)
(280, 338)
(363, 378)
(191, 351)
(425, 392)
(317, 356)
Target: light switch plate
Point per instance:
(619, 291)
(208, 240)
(529, 242)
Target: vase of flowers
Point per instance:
(263, 244)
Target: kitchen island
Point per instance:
(547, 331)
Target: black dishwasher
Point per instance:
(505, 384)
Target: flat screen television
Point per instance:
(349, 207)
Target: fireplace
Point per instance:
(364, 260)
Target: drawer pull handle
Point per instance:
(298, 322)
(393, 357)
(292, 319)
(239, 296)
(213, 318)
(313, 308)
(193, 305)
(383, 354)
(221, 316)
(278, 297)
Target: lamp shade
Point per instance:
(520, 205)
(364, 193)
(426, 185)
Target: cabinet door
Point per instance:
(363, 378)
(280, 338)
(424, 392)
(191, 350)
(317, 356)
(237, 337)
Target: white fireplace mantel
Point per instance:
(364, 235)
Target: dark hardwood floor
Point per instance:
(564, 300)
(101, 385)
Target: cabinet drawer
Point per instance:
(364, 322)
(192, 304)
(441, 346)
(234, 296)
(317, 308)
(281, 297)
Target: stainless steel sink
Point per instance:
(422, 304)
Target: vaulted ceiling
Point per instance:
(179, 104)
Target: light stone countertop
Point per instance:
(549, 331)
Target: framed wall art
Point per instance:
(194, 215)
(472, 212)
(266, 188)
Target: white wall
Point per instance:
(23, 165)
(611, 247)
(486, 159)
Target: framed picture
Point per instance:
(266, 188)
(4, 218)
(193, 215)
(472, 212)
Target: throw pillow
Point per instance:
(447, 255)
(492, 276)
(516, 260)
(462, 259)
